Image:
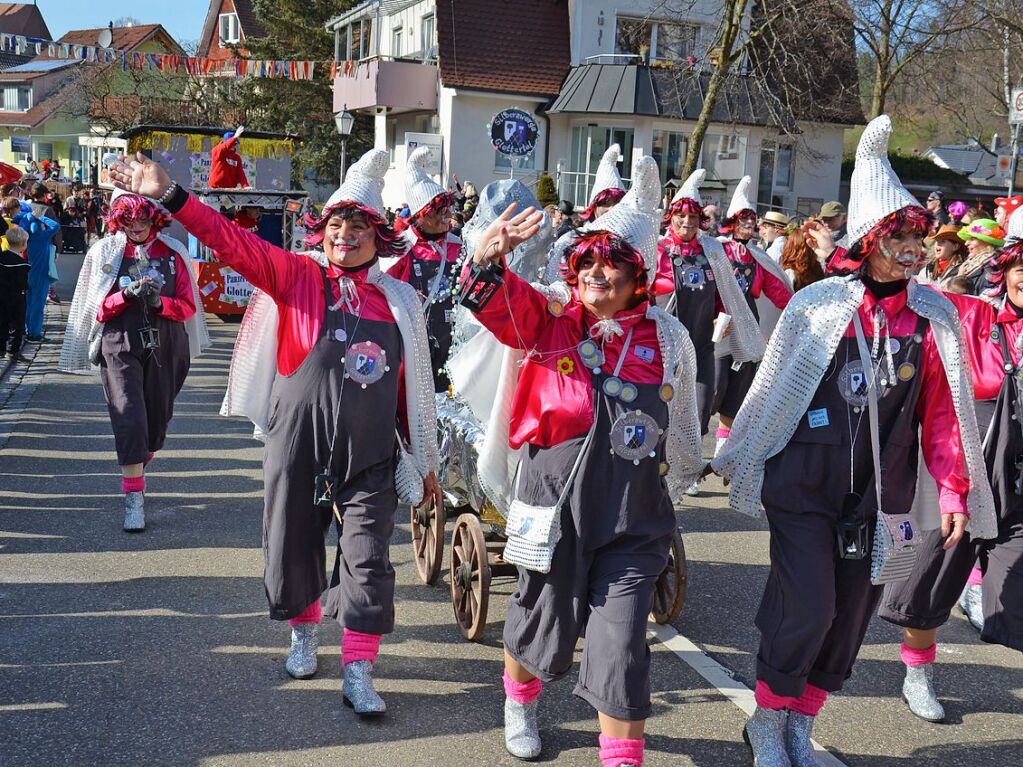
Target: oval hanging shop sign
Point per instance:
(514, 132)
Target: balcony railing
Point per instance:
(398, 84)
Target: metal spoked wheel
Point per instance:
(670, 591)
(470, 576)
(428, 541)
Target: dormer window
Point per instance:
(17, 98)
(654, 41)
(230, 30)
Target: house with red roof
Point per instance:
(589, 74)
(228, 22)
(43, 115)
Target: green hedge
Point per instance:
(911, 168)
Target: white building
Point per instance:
(592, 73)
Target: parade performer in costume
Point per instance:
(134, 315)
(857, 367)
(695, 271)
(608, 187)
(350, 353)
(226, 168)
(432, 261)
(604, 415)
(924, 602)
(983, 238)
(762, 281)
(608, 190)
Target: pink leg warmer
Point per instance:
(723, 432)
(358, 646)
(913, 657)
(810, 702)
(522, 692)
(767, 699)
(133, 484)
(976, 577)
(312, 614)
(615, 752)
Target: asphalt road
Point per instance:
(155, 649)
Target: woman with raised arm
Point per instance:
(604, 421)
(827, 440)
(134, 315)
(351, 353)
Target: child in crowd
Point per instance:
(14, 270)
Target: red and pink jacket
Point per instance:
(179, 308)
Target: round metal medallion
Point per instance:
(852, 384)
(590, 353)
(612, 386)
(634, 436)
(340, 335)
(896, 345)
(556, 308)
(906, 371)
(107, 268)
(667, 392)
(693, 277)
(366, 362)
(629, 393)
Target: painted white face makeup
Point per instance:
(686, 226)
(1014, 285)
(898, 257)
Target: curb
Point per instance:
(19, 380)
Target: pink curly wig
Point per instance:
(605, 199)
(682, 207)
(727, 226)
(388, 241)
(441, 202)
(133, 207)
(1006, 258)
(919, 221)
(610, 249)
(957, 209)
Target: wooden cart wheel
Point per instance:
(428, 541)
(670, 591)
(470, 576)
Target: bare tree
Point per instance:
(896, 33)
(783, 61)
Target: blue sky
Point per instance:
(182, 18)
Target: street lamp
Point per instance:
(344, 121)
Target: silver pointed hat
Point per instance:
(740, 198)
(874, 190)
(634, 219)
(364, 182)
(607, 176)
(420, 189)
(691, 188)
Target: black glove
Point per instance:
(137, 290)
(153, 297)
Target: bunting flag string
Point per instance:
(170, 63)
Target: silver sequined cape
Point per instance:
(797, 357)
(96, 278)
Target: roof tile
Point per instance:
(535, 51)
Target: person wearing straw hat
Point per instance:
(695, 272)
(826, 441)
(772, 233)
(431, 263)
(923, 603)
(947, 256)
(134, 316)
(983, 238)
(350, 346)
(605, 414)
(767, 290)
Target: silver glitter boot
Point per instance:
(765, 735)
(971, 602)
(521, 733)
(134, 513)
(305, 641)
(693, 490)
(918, 692)
(797, 740)
(358, 691)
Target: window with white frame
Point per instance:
(654, 40)
(17, 98)
(669, 152)
(724, 155)
(427, 30)
(396, 40)
(230, 30)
